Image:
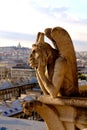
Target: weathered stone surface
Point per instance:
(63, 116)
(56, 71)
(72, 101)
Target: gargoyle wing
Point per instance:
(62, 41)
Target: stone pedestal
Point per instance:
(64, 113)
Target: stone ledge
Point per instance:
(71, 101)
(70, 109)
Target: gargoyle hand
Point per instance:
(42, 65)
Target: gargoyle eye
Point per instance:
(33, 51)
(31, 104)
(26, 106)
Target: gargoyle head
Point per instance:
(41, 51)
(28, 107)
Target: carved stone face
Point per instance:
(38, 55)
(35, 56)
(27, 108)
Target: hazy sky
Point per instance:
(20, 20)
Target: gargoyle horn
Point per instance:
(40, 38)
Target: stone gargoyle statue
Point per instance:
(56, 71)
(56, 68)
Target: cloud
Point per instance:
(80, 45)
(51, 10)
(13, 39)
(83, 21)
(27, 40)
(48, 9)
(17, 36)
(60, 11)
(22, 19)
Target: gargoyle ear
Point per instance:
(40, 38)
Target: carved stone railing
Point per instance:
(66, 111)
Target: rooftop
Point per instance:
(8, 123)
(9, 108)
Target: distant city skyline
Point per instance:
(20, 20)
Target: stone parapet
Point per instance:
(71, 101)
(71, 112)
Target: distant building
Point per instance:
(4, 72)
(82, 70)
(17, 72)
(19, 45)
